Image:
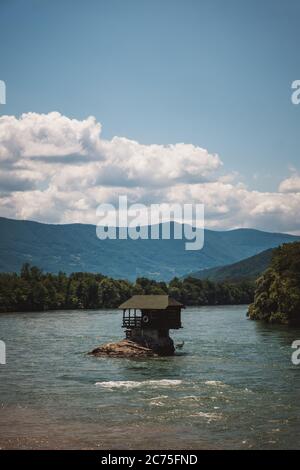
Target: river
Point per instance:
(232, 386)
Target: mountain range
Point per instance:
(75, 247)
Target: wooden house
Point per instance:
(151, 316)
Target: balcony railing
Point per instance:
(132, 322)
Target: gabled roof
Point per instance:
(155, 302)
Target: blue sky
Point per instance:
(213, 73)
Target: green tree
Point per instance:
(277, 294)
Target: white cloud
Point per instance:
(47, 135)
(57, 148)
(56, 169)
(290, 185)
(233, 205)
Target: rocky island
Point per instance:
(147, 320)
(124, 348)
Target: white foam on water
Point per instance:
(215, 383)
(118, 384)
(190, 398)
(156, 403)
(164, 382)
(158, 398)
(128, 384)
(208, 416)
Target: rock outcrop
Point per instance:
(124, 348)
(139, 347)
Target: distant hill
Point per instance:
(75, 247)
(248, 269)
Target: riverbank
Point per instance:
(33, 290)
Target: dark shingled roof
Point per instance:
(155, 302)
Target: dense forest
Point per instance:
(277, 294)
(33, 290)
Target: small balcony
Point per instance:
(132, 322)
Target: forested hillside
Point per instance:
(76, 248)
(277, 295)
(248, 269)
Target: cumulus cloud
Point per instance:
(57, 169)
(290, 185)
(47, 135)
(234, 205)
(36, 142)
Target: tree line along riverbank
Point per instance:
(273, 298)
(34, 290)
